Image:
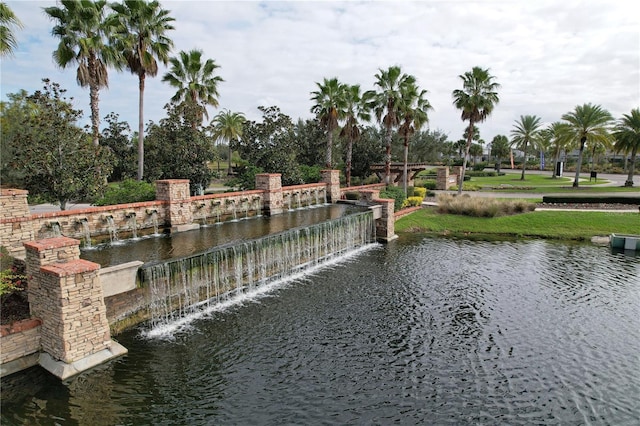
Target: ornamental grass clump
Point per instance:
(480, 207)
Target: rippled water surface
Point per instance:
(419, 331)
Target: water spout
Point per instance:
(56, 230)
(86, 232)
(111, 226)
(132, 224)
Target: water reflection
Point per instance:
(450, 331)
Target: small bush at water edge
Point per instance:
(396, 193)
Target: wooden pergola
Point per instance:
(397, 171)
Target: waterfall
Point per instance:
(186, 286)
(154, 222)
(113, 232)
(56, 231)
(133, 225)
(86, 232)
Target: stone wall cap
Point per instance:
(13, 192)
(19, 326)
(52, 243)
(71, 267)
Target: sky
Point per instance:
(547, 56)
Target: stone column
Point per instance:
(442, 178)
(66, 294)
(16, 226)
(176, 193)
(271, 185)
(385, 226)
(332, 179)
(457, 170)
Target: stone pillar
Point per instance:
(66, 294)
(16, 226)
(442, 178)
(271, 185)
(176, 193)
(385, 226)
(457, 171)
(332, 179)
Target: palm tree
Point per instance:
(557, 138)
(627, 134)
(412, 113)
(196, 82)
(587, 123)
(387, 106)
(525, 131)
(357, 107)
(228, 126)
(8, 22)
(330, 104)
(141, 37)
(476, 100)
(83, 32)
(499, 149)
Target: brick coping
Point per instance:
(19, 326)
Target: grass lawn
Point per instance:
(535, 183)
(563, 225)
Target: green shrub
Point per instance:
(352, 195)
(429, 184)
(310, 174)
(127, 191)
(466, 187)
(419, 192)
(396, 193)
(12, 274)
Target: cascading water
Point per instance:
(56, 231)
(86, 232)
(133, 225)
(111, 226)
(186, 286)
(154, 222)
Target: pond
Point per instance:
(420, 330)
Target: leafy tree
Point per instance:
(329, 107)
(60, 163)
(587, 123)
(227, 126)
(196, 84)
(475, 151)
(311, 142)
(357, 109)
(83, 32)
(271, 145)
(428, 146)
(9, 22)
(627, 134)
(117, 138)
(140, 35)
(525, 131)
(499, 149)
(476, 100)
(12, 113)
(386, 106)
(556, 139)
(413, 115)
(368, 151)
(178, 150)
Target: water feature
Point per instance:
(418, 331)
(154, 220)
(133, 225)
(232, 203)
(86, 231)
(111, 226)
(257, 205)
(56, 230)
(182, 287)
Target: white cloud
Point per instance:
(547, 56)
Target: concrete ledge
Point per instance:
(64, 370)
(187, 227)
(119, 278)
(19, 364)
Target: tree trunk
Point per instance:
(632, 166)
(406, 159)
(95, 113)
(556, 158)
(327, 159)
(466, 154)
(387, 157)
(141, 78)
(230, 168)
(579, 164)
(524, 159)
(349, 155)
